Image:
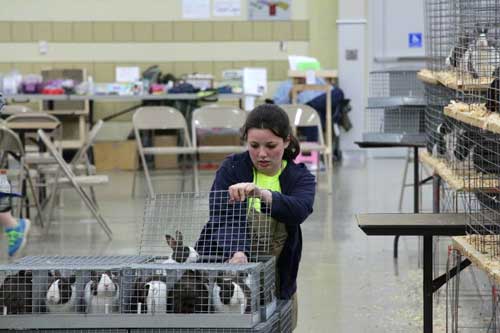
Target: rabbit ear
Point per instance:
(171, 241)
(72, 279)
(178, 235)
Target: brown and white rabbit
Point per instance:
(231, 293)
(102, 293)
(16, 293)
(189, 294)
(61, 295)
(151, 294)
(180, 252)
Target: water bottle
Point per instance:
(5, 200)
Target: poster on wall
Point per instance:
(264, 10)
(195, 9)
(227, 8)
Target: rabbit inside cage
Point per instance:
(178, 227)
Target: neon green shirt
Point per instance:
(266, 182)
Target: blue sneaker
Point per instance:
(17, 236)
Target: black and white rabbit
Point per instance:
(61, 295)
(151, 294)
(16, 293)
(482, 57)
(455, 58)
(180, 252)
(493, 93)
(102, 293)
(190, 294)
(231, 293)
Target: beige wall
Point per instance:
(100, 35)
(323, 31)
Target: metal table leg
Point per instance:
(416, 182)
(428, 290)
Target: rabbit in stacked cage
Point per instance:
(181, 253)
(16, 293)
(151, 293)
(189, 294)
(231, 293)
(61, 295)
(482, 57)
(493, 93)
(102, 293)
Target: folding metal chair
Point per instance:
(80, 163)
(12, 109)
(29, 122)
(152, 118)
(301, 116)
(210, 118)
(76, 182)
(11, 146)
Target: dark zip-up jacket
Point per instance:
(292, 206)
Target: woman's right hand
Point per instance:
(239, 258)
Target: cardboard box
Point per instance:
(165, 161)
(217, 140)
(115, 155)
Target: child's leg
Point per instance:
(16, 231)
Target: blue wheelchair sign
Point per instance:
(415, 40)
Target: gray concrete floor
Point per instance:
(348, 282)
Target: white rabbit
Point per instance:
(156, 298)
(61, 295)
(102, 295)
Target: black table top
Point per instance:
(448, 224)
(382, 144)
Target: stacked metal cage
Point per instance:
(462, 48)
(396, 104)
(177, 283)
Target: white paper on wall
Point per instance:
(195, 9)
(269, 10)
(127, 74)
(227, 8)
(254, 81)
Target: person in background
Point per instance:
(16, 230)
(266, 172)
(316, 100)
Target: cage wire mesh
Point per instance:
(63, 290)
(200, 288)
(472, 299)
(437, 97)
(205, 226)
(439, 36)
(396, 105)
(215, 295)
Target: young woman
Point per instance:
(267, 172)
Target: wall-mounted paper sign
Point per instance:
(195, 9)
(127, 74)
(254, 81)
(227, 8)
(269, 9)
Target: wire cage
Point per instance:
(180, 228)
(472, 299)
(396, 106)
(210, 295)
(437, 97)
(184, 227)
(475, 56)
(440, 21)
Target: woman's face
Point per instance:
(266, 150)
